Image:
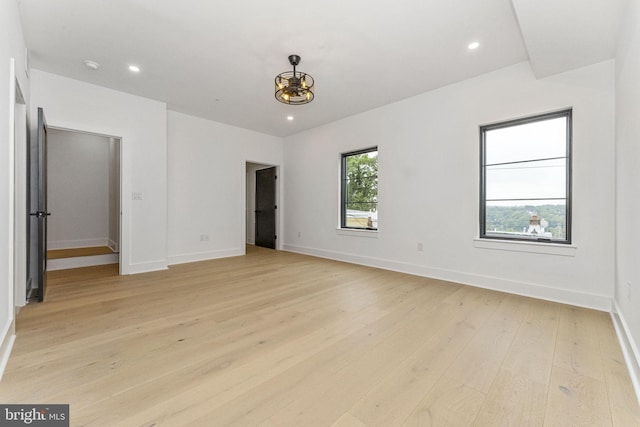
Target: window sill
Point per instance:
(357, 233)
(529, 247)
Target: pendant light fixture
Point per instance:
(294, 87)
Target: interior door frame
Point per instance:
(279, 198)
(7, 325)
(21, 203)
(124, 206)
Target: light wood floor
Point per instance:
(78, 252)
(279, 339)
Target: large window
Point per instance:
(525, 179)
(359, 192)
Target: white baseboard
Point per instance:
(146, 267)
(629, 347)
(113, 246)
(204, 256)
(72, 244)
(564, 296)
(5, 347)
(81, 261)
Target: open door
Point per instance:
(266, 208)
(38, 213)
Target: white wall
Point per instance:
(627, 289)
(207, 167)
(142, 126)
(428, 185)
(78, 189)
(12, 46)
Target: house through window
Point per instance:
(359, 189)
(525, 179)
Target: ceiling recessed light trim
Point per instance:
(92, 65)
(134, 68)
(473, 45)
(294, 88)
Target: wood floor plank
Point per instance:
(280, 339)
(514, 399)
(396, 396)
(478, 364)
(577, 344)
(532, 351)
(576, 400)
(348, 420)
(78, 252)
(449, 403)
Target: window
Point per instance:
(359, 192)
(525, 179)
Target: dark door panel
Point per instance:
(38, 213)
(266, 208)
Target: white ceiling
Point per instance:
(565, 34)
(217, 60)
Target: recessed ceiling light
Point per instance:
(290, 118)
(473, 46)
(92, 65)
(134, 68)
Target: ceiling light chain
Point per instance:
(293, 87)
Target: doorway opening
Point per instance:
(83, 191)
(262, 214)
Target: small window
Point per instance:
(525, 179)
(359, 192)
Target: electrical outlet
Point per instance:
(299, 234)
(136, 196)
(629, 290)
(420, 247)
(204, 237)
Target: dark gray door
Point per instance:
(38, 213)
(266, 208)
